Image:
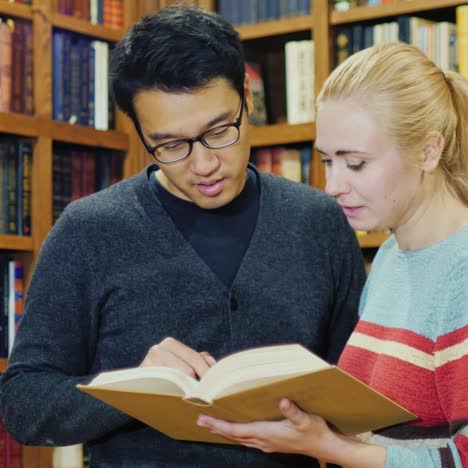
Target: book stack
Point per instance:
(81, 172)
(80, 81)
(16, 66)
(290, 162)
(300, 87)
(109, 13)
(15, 186)
(437, 39)
(257, 11)
(11, 302)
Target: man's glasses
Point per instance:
(214, 138)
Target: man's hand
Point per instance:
(172, 353)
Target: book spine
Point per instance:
(12, 188)
(17, 71)
(28, 104)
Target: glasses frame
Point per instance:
(152, 149)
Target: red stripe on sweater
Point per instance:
(398, 335)
(452, 338)
(411, 386)
(452, 386)
(462, 446)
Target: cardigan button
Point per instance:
(234, 304)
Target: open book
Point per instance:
(246, 386)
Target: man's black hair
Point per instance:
(179, 49)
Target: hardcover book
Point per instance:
(246, 386)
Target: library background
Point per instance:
(61, 137)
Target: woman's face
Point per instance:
(365, 171)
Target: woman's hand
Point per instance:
(299, 433)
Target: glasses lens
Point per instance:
(221, 136)
(172, 151)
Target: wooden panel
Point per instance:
(37, 457)
(372, 239)
(70, 23)
(25, 125)
(8, 242)
(359, 14)
(42, 52)
(15, 9)
(322, 69)
(280, 134)
(275, 28)
(41, 193)
(81, 135)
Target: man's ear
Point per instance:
(248, 94)
(432, 150)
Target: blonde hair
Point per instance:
(411, 97)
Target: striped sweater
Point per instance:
(411, 344)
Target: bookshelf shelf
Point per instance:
(275, 28)
(71, 23)
(25, 125)
(372, 239)
(15, 9)
(364, 13)
(81, 135)
(280, 134)
(8, 242)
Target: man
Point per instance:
(196, 257)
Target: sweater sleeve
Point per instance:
(53, 349)
(451, 374)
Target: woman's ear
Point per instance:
(433, 147)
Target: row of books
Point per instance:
(77, 173)
(345, 5)
(15, 189)
(10, 450)
(298, 69)
(11, 301)
(109, 13)
(255, 11)
(294, 163)
(16, 66)
(80, 81)
(438, 40)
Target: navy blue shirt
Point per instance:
(219, 236)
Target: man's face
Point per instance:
(210, 178)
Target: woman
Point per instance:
(392, 130)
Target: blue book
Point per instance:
(58, 106)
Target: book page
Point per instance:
(255, 367)
(164, 380)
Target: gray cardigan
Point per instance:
(115, 277)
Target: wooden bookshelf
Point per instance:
(22, 243)
(275, 28)
(80, 26)
(16, 10)
(30, 126)
(44, 132)
(372, 239)
(365, 13)
(279, 134)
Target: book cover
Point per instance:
(246, 386)
(257, 115)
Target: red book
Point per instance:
(6, 55)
